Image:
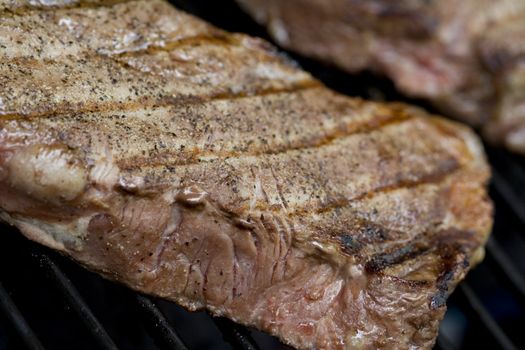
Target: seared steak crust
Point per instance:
(466, 56)
(205, 168)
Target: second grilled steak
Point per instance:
(204, 168)
(466, 56)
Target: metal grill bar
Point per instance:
(163, 333)
(17, 320)
(77, 303)
(486, 319)
(501, 261)
(237, 336)
(506, 191)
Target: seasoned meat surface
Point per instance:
(466, 56)
(205, 168)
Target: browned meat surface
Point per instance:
(204, 168)
(466, 56)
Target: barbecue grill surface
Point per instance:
(47, 301)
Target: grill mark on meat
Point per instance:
(446, 169)
(368, 233)
(439, 299)
(381, 261)
(292, 88)
(66, 109)
(443, 173)
(453, 245)
(144, 102)
(214, 38)
(443, 242)
(192, 157)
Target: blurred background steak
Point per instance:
(205, 168)
(466, 57)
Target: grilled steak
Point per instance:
(205, 168)
(466, 56)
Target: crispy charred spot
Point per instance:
(381, 261)
(445, 282)
(101, 224)
(452, 247)
(371, 233)
(349, 244)
(439, 299)
(447, 244)
(414, 284)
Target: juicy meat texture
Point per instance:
(205, 168)
(466, 56)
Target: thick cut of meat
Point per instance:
(466, 56)
(205, 168)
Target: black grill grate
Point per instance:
(159, 326)
(14, 316)
(70, 308)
